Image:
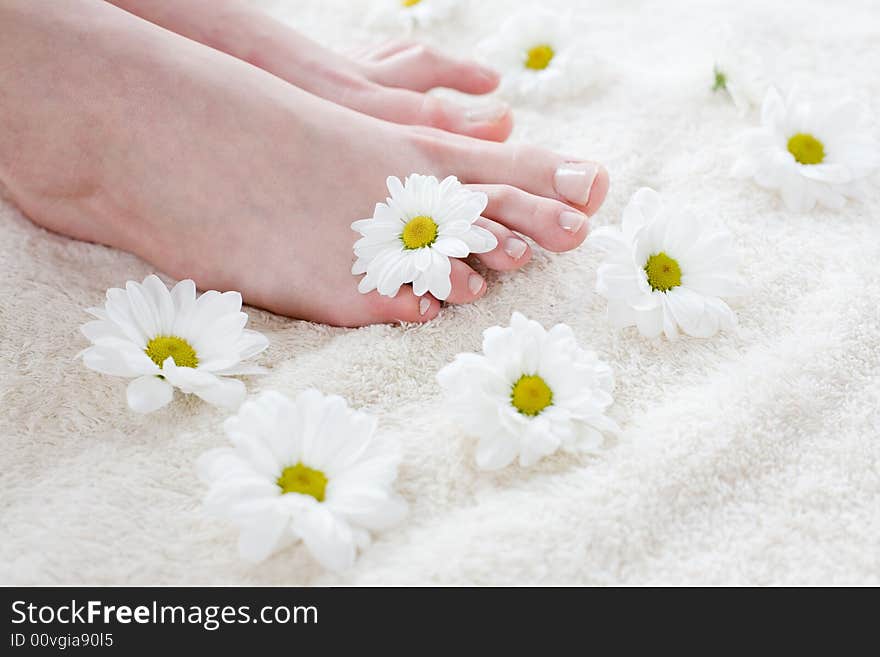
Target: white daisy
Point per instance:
(412, 236)
(529, 393)
(810, 154)
(310, 469)
(538, 55)
(743, 75)
(166, 340)
(666, 270)
(410, 14)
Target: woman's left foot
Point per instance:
(389, 82)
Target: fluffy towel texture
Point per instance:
(747, 458)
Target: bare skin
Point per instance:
(387, 82)
(122, 133)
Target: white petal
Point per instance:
(119, 312)
(217, 390)
(148, 393)
(422, 259)
(620, 314)
(224, 392)
(250, 343)
(367, 506)
(643, 207)
(773, 111)
(162, 302)
(439, 281)
(650, 322)
(452, 247)
(329, 540)
(143, 310)
(99, 330)
(496, 452)
(395, 187)
(608, 238)
(615, 281)
(690, 312)
(479, 240)
(393, 276)
(720, 284)
(183, 295)
(119, 360)
(260, 537)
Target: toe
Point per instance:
(403, 307)
(420, 68)
(579, 183)
(384, 50)
(552, 224)
(512, 251)
(467, 285)
(491, 120)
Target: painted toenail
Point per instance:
(475, 283)
(573, 181)
(424, 304)
(514, 247)
(490, 113)
(572, 221)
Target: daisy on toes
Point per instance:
(665, 271)
(165, 340)
(309, 469)
(424, 229)
(811, 154)
(412, 236)
(530, 393)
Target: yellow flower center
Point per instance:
(419, 231)
(806, 148)
(530, 395)
(304, 480)
(163, 346)
(663, 272)
(539, 57)
(410, 3)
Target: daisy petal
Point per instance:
(260, 537)
(148, 393)
(330, 541)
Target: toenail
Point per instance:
(514, 247)
(475, 283)
(573, 181)
(572, 221)
(487, 74)
(490, 113)
(424, 304)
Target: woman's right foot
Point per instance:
(208, 168)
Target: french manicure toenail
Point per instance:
(487, 113)
(475, 283)
(424, 304)
(574, 180)
(572, 221)
(514, 247)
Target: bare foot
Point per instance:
(116, 131)
(387, 82)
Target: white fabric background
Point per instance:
(747, 458)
